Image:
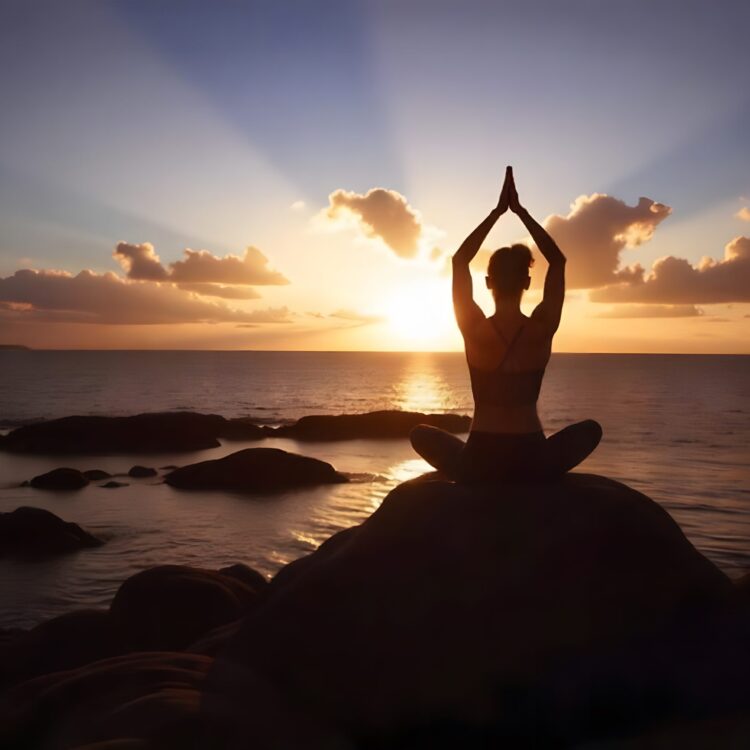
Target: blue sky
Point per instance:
(197, 124)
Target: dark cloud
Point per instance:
(381, 213)
(140, 262)
(675, 281)
(652, 311)
(596, 230)
(89, 297)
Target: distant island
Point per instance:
(15, 346)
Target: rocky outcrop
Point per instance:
(255, 470)
(564, 614)
(149, 701)
(387, 424)
(142, 433)
(473, 616)
(64, 642)
(33, 532)
(60, 479)
(169, 607)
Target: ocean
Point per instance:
(675, 427)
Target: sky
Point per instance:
(296, 175)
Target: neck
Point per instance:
(506, 305)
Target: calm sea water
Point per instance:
(675, 427)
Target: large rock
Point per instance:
(36, 532)
(171, 606)
(372, 425)
(63, 478)
(475, 617)
(149, 701)
(65, 642)
(255, 470)
(142, 433)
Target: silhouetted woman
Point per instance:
(507, 354)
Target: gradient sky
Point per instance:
(218, 126)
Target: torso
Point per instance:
(487, 349)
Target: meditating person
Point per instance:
(507, 354)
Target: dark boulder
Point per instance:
(34, 532)
(483, 617)
(246, 574)
(241, 428)
(141, 472)
(64, 642)
(96, 475)
(60, 479)
(142, 433)
(372, 425)
(255, 470)
(171, 606)
(143, 701)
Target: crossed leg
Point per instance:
(558, 454)
(438, 447)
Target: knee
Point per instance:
(593, 429)
(418, 435)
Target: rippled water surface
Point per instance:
(675, 427)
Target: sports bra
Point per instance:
(499, 388)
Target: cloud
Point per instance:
(652, 311)
(675, 281)
(203, 266)
(380, 213)
(596, 230)
(88, 297)
(743, 213)
(216, 290)
(297, 205)
(140, 262)
(356, 317)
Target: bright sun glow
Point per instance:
(420, 313)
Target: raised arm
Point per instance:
(549, 310)
(468, 313)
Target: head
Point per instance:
(508, 271)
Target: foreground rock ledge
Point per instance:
(255, 470)
(547, 615)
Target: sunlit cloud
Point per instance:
(652, 311)
(596, 230)
(380, 213)
(217, 290)
(743, 213)
(88, 297)
(298, 206)
(141, 263)
(675, 281)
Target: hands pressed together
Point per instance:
(509, 194)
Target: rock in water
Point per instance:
(171, 606)
(140, 472)
(35, 532)
(372, 425)
(255, 470)
(96, 475)
(60, 479)
(142, 433)
(465, 615)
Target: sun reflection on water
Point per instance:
(423, 388)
